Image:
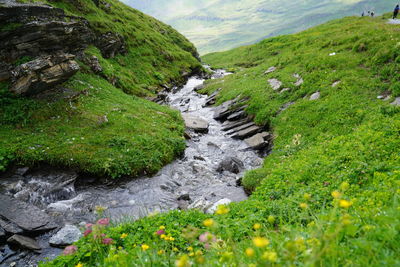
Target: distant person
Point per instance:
(396, 12)
(372, 13)
(362, 14)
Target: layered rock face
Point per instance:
(48, 41)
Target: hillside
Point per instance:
(328, 193)
(95, 119)
(221, 25)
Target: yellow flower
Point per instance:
(260, 242)
(160, 252)
(208, 222)
(162, 227)
(79, 265)
(190, 249)
(249, 252)
(163, 236)
(123, 236)
(336, 194)
(191, 254)
(199, 253)
(222, 209)
(303, 205)
(271, 219)
(270, 256)
(175, 249)
(344, 186)
(200, 260)
(343, 203)
(346, 219)
(307, 196)
(145, 247)
(252, 265)
(183, 261)
(171, 238)
(256, 226)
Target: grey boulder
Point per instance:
(230, 164)
(195, 123)
(68, 235)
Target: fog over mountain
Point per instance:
(215, 25)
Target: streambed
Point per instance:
(208, 172)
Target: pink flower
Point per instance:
(104, 221)
(89, 226)
(160, 232)
(70, 250)
(107, 241)
(207, 237)
(87, 232)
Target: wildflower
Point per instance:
(160, 252)
(107, 241)
(104, 221)
(270, 256)
(271, 219)
(171, 238)
(256, 226)
(190, 249)
(79, 265)
(163, 236)
(182, 261)
(222, 209)
(208, 222)
(87, 232)
(260, 242)
(162, 227)
(336, 194)
(344, 186)
(175, 249)
(123, 236)
(70, 250)
(303, 206)
(199, 253)
(249, 252)
(100, 209)
(89, 226)
(145, 247)
(160, 232)
(346, 219)
(191, 254)
(307, 196)
(345, 203)
(206, 237)
(200, 260)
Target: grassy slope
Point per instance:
(140, 136)
(346, 141)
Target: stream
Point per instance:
(196, 180)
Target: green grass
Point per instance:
(328, 195)
(140, 137)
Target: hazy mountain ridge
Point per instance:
(220, 25)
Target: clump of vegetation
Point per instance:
(329, 192)
(99, 123)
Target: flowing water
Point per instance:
(191, 181)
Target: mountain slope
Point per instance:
(327, 195)
(221, 25)
(95, 121)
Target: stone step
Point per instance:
(241, 127)
(247, 132)
(228, 125)
(237, 115)
(259, 141)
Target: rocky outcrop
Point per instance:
(275, 84)
(42, 73)
(111, 44)
(43, 38)
(14, 12)
(315, 96)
